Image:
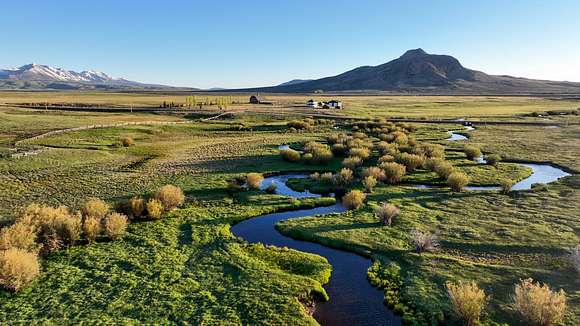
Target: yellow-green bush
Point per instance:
(354, 199)
(472, 152)
(457, 181)
(394, 172)
(95, 207)
(18, 268)
(154, 208)
(116, 225)
(352, 162)
(92, 228)
(467, 301)
(170, 196)
(537, 304)
(369, 182)
(290, 155)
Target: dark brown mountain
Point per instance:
(419, 72)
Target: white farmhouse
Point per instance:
(312, 104)
(334, 104)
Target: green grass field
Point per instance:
(188, 268)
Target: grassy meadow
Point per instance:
(188, 268)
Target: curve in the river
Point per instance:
(353, 301)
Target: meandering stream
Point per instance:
(353, 301)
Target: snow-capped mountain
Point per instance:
(37, 76)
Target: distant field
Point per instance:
(362, 106)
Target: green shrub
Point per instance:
(19, 235)
(352, 162)
(444, 169)
(506, 185)
(457, 181)
(95, 207)
(472, 152)
(354, 199)
(467, 301)
(92, 228)
(410, 161)
(394, 172)
(343, 177)
(154, 209)
(116, 225)
(136, 206)
(493, 159)
(290, 155)
(17, 268)
(369, 182)
(362, 153)
(424, 241)
(170, 196)
(374, 172)
(387, 213)
(127, 141)
(537, 304)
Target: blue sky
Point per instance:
(255, 43)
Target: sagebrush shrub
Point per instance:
(386, 158)
(127, 141)
(472, 152)
(172, 196)
(493, 159)
(322, 155)
(537, 304)
(354, 199)
(327, 178)
(352, 162)
(95, 207)
(116, 225)
(457, 181)
(362, 153)
(387, 213)
(55, 226)
(433, 150)
(369, 182)
(92, 228)
(154, 208)
(290, 155)
(136, 206)
(410, 161)
(18, 268)
(424, 241)
(443, 169)
(467, 301)
(387, 149)
(339, 149)
(506, 185)
(343, 177)
(19, 235)
(374, 172)
(432, 163)
(394, 172)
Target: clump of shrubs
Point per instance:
(19, 235)
(467, 301)
(493, 159)
(472, 152)
(127, 141)
(172, 196)
(354, 199)
(424, 241)
(18, 268)
(506, 185)
(457, 181)
(116, 225)
(95, 207)
(443, 169)
(394, 172)
(352, 162)
(369, 183)
(387, 213)
(537, 304)
(154, 208)
(92, 228)
(290, 155)
(411, 161)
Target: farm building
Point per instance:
(333, 104)
(257, 99)
(312, 104)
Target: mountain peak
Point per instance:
(414, 53)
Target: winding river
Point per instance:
(353, 301)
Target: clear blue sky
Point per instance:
(255, 43)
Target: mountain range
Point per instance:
(417, 71)
(35, 76)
